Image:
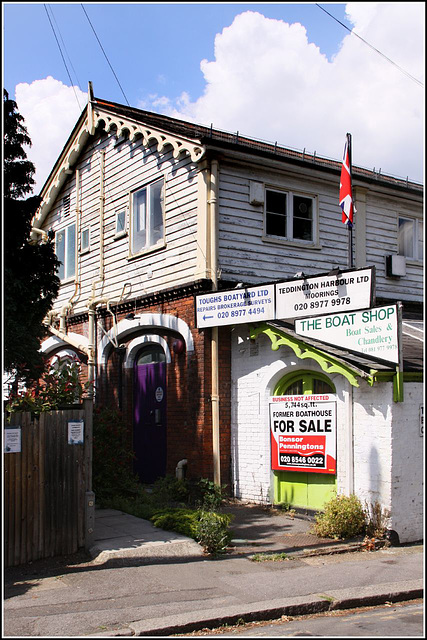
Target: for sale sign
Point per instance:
(303, 433)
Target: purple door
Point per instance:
(150, 414)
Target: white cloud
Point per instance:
(50, 110)
(268, 81)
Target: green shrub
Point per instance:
(59, 386)
(112, 456)
(343, 517)
(170, 490)
(213, 532)
(184, 521)
(207, 495)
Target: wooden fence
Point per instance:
(46, 485)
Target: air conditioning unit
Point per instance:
(395, 266)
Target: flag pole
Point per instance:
(350, 226)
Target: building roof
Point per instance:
(215, 138)
(185, 137)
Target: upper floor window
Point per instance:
(121, 222)
(290, 216)
(85, 240)
(410, 238)
(147, 226)
(65, 246)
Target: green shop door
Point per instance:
(299, 488)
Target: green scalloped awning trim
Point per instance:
(303, 351)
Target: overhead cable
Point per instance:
(373, 48)
(106, 57)
(63, 59)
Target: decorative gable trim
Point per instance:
(149, 134)
(90, 120)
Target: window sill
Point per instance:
(145, 252)
(121, 234)
(414, 262)
(68, 280)
(298, 244)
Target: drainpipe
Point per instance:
(213, 202)
(350, 441)
(93, 302)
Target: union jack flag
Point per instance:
(346, 196)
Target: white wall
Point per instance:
(256, 369)
(387, 447)
(408, 465)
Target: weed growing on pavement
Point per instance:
(377, 518)
(272, 557)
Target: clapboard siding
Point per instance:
(130, 166)
(245, 255)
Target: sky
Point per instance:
(280, 72)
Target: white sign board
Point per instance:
(75, 432)
(238, 306)
(12, 440)
(345, 291)
(373, 332)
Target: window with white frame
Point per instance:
(290, 216)
(147, 225)
(65, 247)
(85, 240)
(121, 222)
(410, 238)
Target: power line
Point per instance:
(65, 48)
(106, 57)
(373, 48)
(62, 56)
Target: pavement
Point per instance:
(143, 581)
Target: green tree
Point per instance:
(30, 280)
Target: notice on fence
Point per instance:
(12, 440)
(303, 433)
(75, 432)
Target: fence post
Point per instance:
(89, 494)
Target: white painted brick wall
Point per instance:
(408, 465)
(387, 448)
(253, 380)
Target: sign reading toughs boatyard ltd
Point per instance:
(373, 332)
(344, 291)
(303, 433)
(254, 304)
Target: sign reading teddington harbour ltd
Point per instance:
(302, 297)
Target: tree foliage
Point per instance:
(30, 280)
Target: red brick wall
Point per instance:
(189, 409)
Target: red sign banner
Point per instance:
(303, 433)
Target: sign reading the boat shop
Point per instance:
(237, 306)
(303, 433)
(343, 291)
(373, 332)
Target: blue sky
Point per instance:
(166, 49)
(274, 71)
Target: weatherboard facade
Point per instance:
(150, 306)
